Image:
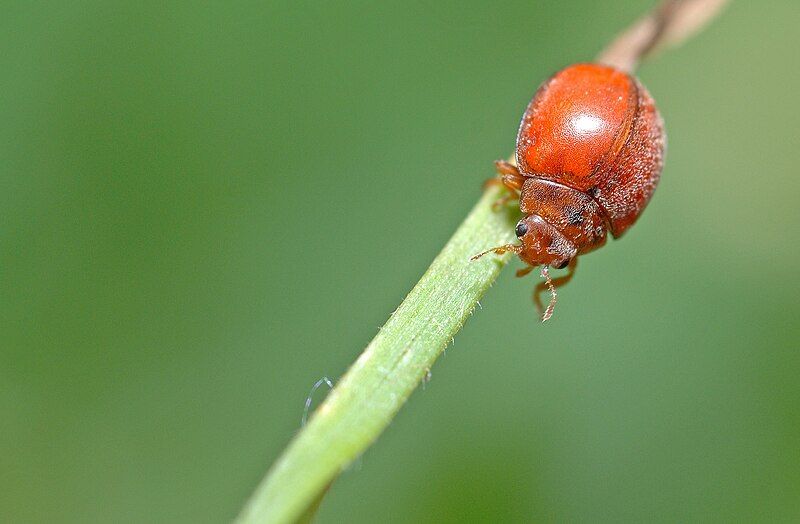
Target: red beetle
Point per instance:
(589, 154)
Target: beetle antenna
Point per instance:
(553, 295)
(499, 250)
(496, 250)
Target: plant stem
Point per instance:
(377, 385)
(381, 380)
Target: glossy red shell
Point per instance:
(595, 129)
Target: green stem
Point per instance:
(380, 381)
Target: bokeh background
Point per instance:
(207, 206)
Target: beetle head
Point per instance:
(542, 244)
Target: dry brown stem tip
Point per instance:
(668, 25)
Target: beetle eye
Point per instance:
(562, 265)
(522, 228)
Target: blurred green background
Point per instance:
(207, 206)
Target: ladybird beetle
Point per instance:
(589, 154)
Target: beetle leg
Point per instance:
(510, 177)
(551, 284)
(524, 271)
(499, 250)
(503, 200)
(504, 167)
